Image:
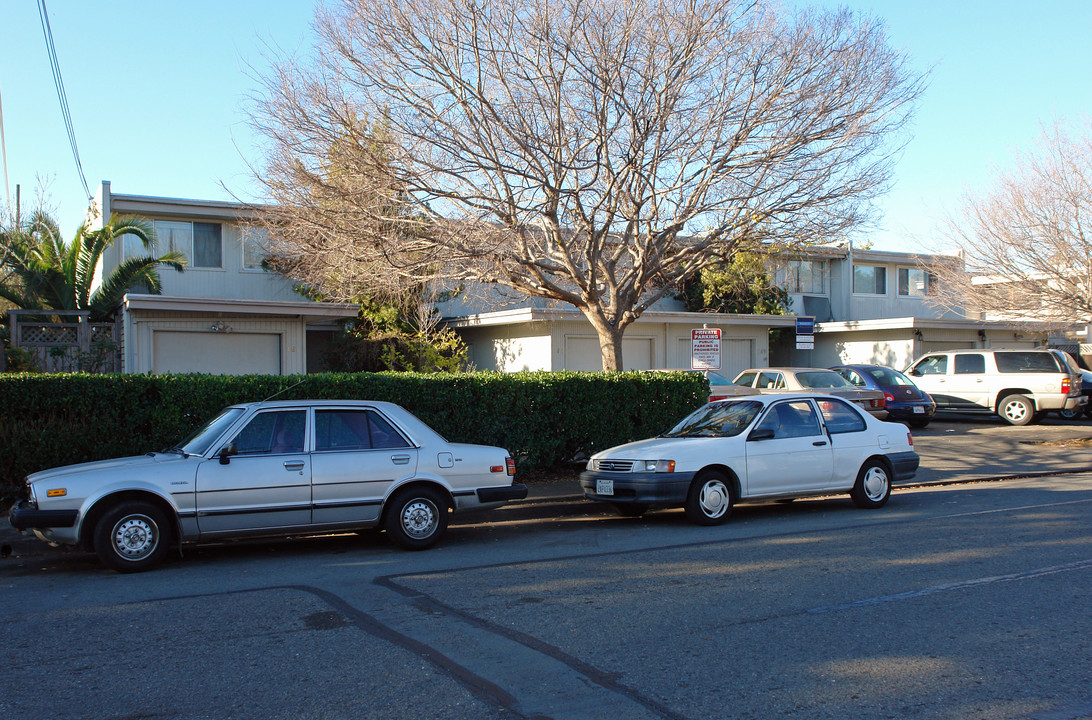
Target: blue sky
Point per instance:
(155, 91)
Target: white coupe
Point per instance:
(757, 447)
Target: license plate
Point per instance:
(604, 487)
(919, 410)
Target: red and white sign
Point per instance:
(705, 349)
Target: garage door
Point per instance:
(582, 353)
(216, 353)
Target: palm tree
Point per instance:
(46, 273)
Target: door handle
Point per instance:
(400, 459)
(293, 464)
(819, 443)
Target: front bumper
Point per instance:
(904, 465)
(24, 515)
(642, 487)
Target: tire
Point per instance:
(132, 537)
(630, 509)
(710, 499)
(416, 518)
(918, 423)
(1016, 410)
(873, 485)
(1072, 414)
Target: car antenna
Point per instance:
(282, 390)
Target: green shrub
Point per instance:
(542, 418)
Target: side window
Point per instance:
(270, 433)
(354, 430)
(840, 417)
(746, 379)
(967, 364)
(932, 365)
(791, 419)
(1016, 361)
(852, 376)
(770, 381)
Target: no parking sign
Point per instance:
(705, 349)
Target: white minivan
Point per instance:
(1019, 385)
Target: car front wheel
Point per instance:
(132, 537)
(416, 518)
(710, 500)
(873, 486)
(1016, 410)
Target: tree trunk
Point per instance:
(610, 341)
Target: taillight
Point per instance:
(714, 398)
(511, 465)
(909, 438)
(878, 402)
(1067, 385)
(888, 397)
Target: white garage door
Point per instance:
(582, 353)
(216, 353)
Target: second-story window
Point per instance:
(255, 247)
(201, 243)
(801, 276)
(208, 246)
(915, 282)
(870, 279)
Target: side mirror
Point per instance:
(915, 372)
(761, 434)
(226, 452)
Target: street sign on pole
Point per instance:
(805, 332)
(705, 349)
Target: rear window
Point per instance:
(1026, 362)
(822, 379)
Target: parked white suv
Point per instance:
(1019, 385)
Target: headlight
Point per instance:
(660, 466)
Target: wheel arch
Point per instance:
(416, 483)
(103, 505)
(728, 472)
(1002, 394)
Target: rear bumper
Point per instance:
(501, 494)
(904, 465)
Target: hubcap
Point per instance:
(135, 536)
(1015, 411)
(419, 518)
(714, 499)
(875, 483)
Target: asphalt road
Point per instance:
(953, 601)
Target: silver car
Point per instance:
(270, 468)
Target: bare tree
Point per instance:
(593, 152)
(1026, 248)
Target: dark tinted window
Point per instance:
(1018, 362)
(354, 430)
(272, 432)
(965, 364)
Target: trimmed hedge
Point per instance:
(542, 418)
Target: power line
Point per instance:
(61, 97)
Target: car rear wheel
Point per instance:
(873, 486)
(710, 500)
(416, 518)
(132, 537)
(1016, 410)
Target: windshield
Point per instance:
(822, 379)
(201, 440)
(721, 419)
